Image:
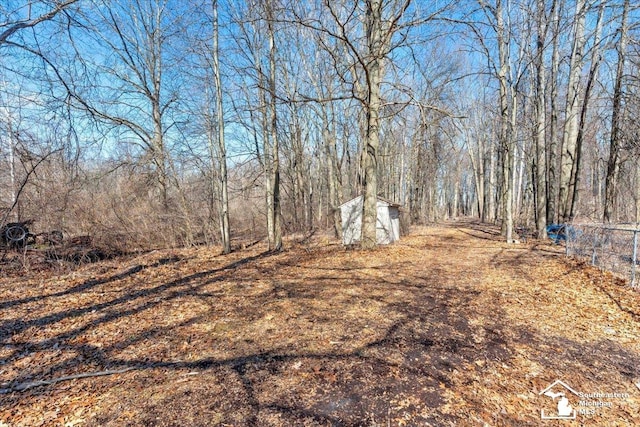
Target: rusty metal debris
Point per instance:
(16, 235)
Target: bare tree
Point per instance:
(258, 49)
(506, 94)
(552, 151)
(613, 164)
(11, 26)
(541, 121)
(274, 211)
(368, 45)
(25, 154)
(225, 232)
(596, 58)
(572, 114)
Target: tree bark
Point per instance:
(491, 181)
(372, 141)
(541, 122)
(576, 171)
(506, 145)
(570, 135)
(637, 194)
(225, 232)
(613, 164)
(552, 173)
(477, 165)
(276, 223)
(333, 178)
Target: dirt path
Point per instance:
(448, 327)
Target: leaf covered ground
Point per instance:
(450, 326)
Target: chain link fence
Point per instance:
(612, 248)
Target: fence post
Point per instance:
(634, 258)
(595, 246)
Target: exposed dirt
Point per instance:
(448, 327)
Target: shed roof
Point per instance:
(380, 199)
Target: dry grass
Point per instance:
(448, 327)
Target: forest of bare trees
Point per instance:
(170, 123)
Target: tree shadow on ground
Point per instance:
(408, 358)
(267, 340)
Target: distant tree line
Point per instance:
(170, 123)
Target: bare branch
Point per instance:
(33, 22)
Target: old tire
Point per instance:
(15, 235)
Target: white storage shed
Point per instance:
(387, 224)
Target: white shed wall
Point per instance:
(351, 213)
(384, 228)
(387, 223)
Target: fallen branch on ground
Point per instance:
(31, 384)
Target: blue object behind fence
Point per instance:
(557, 232)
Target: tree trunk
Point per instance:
(491, 183)
(478, 173)
(13, 192)
(552, 175)
(593, 71)
(541, 119)
(570, 135)
(225, 232)
(506, 145)
(267, 150)
(637, 194)
(335, 192)
(276, 232)
(370, 154)
(159, 155)
(613, 164)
